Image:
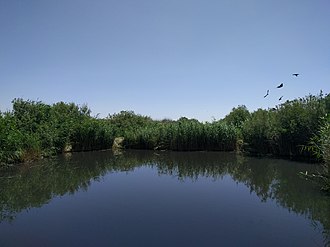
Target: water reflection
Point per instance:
(36, 184)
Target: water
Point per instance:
(143, 198)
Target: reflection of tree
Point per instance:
(194, 164)
(269, 179)
(37, 185)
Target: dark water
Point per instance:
(144, 198)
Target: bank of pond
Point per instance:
(295, 129)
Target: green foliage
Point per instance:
(92, 134)
(320, 146)
(9, 139)
(238, 116)
(182, 135)
(258, 131)
(34, 129)
(286, 129)
(127, 121)
(297, 121)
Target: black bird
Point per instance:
(280, 98)
(266, 94)
(295, 75)
(279, 86)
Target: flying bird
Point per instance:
(266, 94)
(280, 98)
(295, 75)
(279, 86)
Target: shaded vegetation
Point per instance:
(320, 146)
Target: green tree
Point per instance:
(238, 116)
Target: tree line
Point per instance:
(33, 129)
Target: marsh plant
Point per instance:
(33, 130)
(320, 146)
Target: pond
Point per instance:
(146, 198)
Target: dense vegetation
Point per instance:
(320, 146)
(34, 129)
(299, 128)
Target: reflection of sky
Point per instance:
(163, 58)
(143, 207)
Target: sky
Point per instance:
(163, 58)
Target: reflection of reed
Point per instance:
(194, 164)
(268, 179)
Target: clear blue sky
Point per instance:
(163, 58)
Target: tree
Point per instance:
(238, 116)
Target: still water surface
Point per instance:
(143, 198)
